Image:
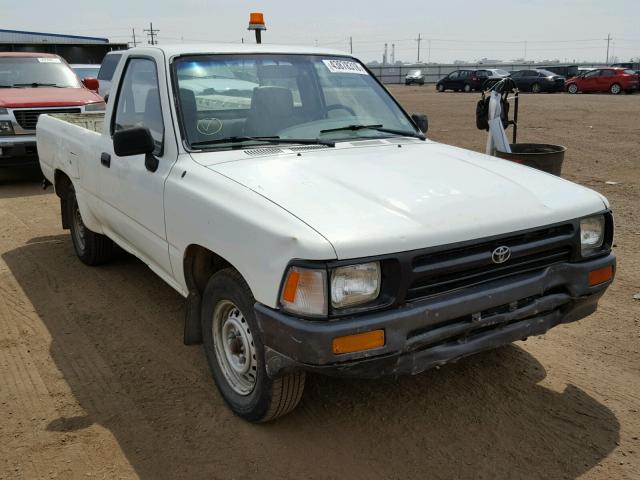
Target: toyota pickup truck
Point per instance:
(309, 223)
(32, 84)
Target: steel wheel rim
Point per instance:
(79, 230)
(234, 347)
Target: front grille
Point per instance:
(28, 119)
(465, 266)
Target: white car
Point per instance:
(309, 223)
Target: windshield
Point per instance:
(283, 96)
(36, 71)
(503, 73)
(84, 72)
(548, 73)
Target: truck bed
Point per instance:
(90, 121)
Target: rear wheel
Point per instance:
(573, 88)
(535, 88)
(91, 247)
(235, 353)
(467, 88)
(615, 89)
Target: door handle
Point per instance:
(105, 159)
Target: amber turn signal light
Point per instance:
(358, 342)
(596, 277)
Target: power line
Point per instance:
(152, 34)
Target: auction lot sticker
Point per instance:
(48, 60)
(344, 66)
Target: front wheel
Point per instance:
(615, 89)
(573, 88)
(235, 353)
(440, 87)
(535, 88)
(467, 88)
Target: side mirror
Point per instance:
(133, 141)
(421, 121)
(91, 83)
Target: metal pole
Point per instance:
(608, 41)
(351, 45)
(134, 37)
(259, 36)
(419, 40)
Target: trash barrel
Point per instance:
(547, 158)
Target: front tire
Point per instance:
(467, 88)
(535, 88)
(235, 353)
(573, 88)
(615, 89)
(91, 248)
(440, 87)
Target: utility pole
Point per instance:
(608, 42)
(152, 34)
(351, 45)
(133, 30)
(429, 50)
(419, 40)
(525, 51)
(384, 57)
(393, 54)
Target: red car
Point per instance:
(32, 84)
(610, 79)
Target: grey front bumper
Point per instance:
(18, 150)
(438, 330)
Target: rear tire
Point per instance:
(235, 353)
(615, 89)
(573, 88)
(91, 248)
(467, 88)
(535, 88)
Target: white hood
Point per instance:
(385, 198)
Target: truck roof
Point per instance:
(231, 48)
(27, 54)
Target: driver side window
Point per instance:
(454, 75)
(138, 102)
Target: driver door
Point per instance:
(132, 192)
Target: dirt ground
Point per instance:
(96, 383)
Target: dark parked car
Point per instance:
(538, 80)
(469, 80)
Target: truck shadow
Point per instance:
(116, 339)
(21, 182)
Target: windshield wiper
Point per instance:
(8, 86)
(378, 127)
(271, 139)
(36, 84)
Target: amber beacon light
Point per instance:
(256, 23)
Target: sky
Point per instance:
(568, 30)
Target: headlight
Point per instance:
(305, 291)
(355, 284)
(95, 107)
(6, 128)
(591, 234)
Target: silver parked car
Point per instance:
(414, 76)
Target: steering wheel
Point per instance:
(339, 106)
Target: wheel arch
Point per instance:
(199, 264)
(62, 184)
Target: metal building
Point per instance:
(73, 48)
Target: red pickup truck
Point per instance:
(32, 84)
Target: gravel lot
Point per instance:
(96, 383)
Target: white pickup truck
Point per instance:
(310, 224)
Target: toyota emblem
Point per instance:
(501, 254)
